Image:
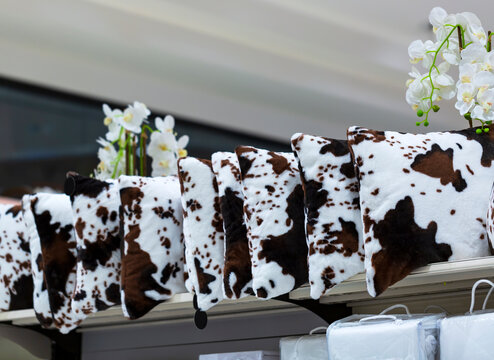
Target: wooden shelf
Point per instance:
(445, 284)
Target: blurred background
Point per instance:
(231, 72)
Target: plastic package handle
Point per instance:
(377, 317)
(396, 306)
(474, 289)
(295, 352)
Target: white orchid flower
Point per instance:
(484, 110)
(465, 97)
(181, 145)
(467, 72)
(165, 125)
(474, 32)
(488, 62)
(165, 164)
(417, 93)
(111, 116)
(134, 116)
(440, 20)
(474, 53)
(162, 142)
(107, 155)
(450, 52)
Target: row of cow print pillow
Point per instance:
(252, 222)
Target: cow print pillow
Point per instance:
(237, 273)
(332, 213)
(41, 303)
(203, 230)
(54, 223)
(152, 269)
(16, 283)
(490, 221)
(95, 207)
(423, 199)
(274, 211)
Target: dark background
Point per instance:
(45, 133)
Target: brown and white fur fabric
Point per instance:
(54, 224)
(16, 282)
(490, 220)
(41, 302)
(95, 207)
(153, 254)
(274, 209)
(203, 230)
(237, 272)
(423, 197)
(332, 213)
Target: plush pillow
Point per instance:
(95, 207)
(53, 218)
(16, 282)
(423, 199)
(490, 221)
(332, 213)
(41, 302)
(274, 209)
(203, 230)
(237, 273)
(152, 259)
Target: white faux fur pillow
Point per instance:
(274, 209)
(54, 223)
(152, 260)
(423, 197)
(95, 207)
(41, 303)
(16, 283)
(332, 213)
(237, 272)
(203, 230)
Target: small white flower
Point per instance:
(107, 155)
(467, 72)
(162, 142)
(484, 110)
(165, 125)
(474, 32)
(133, 117)
(165, 164)
(418, 92)
(111, 116)
(440, 21)
(466, 98)
(473, 54)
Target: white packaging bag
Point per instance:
(307, 347)
(384, 337)
(246, 355)
(469, 336)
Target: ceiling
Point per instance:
(265, 67)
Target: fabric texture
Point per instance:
(95, 206)
(54, 223)
(274, 212)
(237, 272)
(16, 282)
(332, 213)
(203, 230)
(152, 260)
(423, 198)
(41, 302)
(490, 221)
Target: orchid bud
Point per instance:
(420, 113)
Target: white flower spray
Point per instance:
(128, 132)
(460, 41)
